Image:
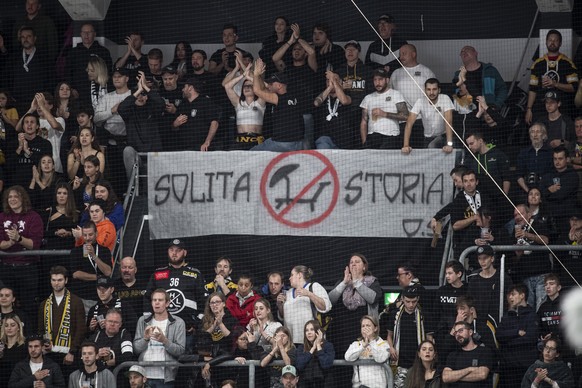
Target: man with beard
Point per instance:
(197, 118)
(185, 287)
(90, 373)
(469, 366)
(437, 131)
(554, 71)
(222, 281)
(130, 288)
(534, 161)
(133, 60)
(381, 112)
(172, 96)
(137, 377)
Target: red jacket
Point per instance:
(243, 314)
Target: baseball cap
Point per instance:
(104, 281)
(553, 95)
(353, 43)
(170, 70)
(289, 369)
(386, 18)
(277, 77)
(411, 292)
(177, 243)
(136, 369)
(121, 70)
(381, 73)
(485, 250)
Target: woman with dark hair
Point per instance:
(85, 145)
(66, 106)
(59, 219)
(182, 59)
(357, 294)
(315, 357)
(272, 43)
(12, 348)
(113, 209)
(84, 187)
(549, 371)
(424, 373)
(43, 183)
(249, 108)
(22, 229)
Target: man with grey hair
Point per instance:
(535, 160)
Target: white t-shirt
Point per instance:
(298, 310)
(54, 137)
(432, 121)
(35, 366)
(156, 352)
(411, 86)
(387, 102)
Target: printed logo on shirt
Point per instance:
(193, 112)
(190, 274)
(162, 275)
(388, 98)
(417, 74)
(292, 102)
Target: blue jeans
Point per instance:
(325, 143)
(278, 146)
(536, 290)
(159, 383)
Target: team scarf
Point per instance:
(475, 203)
(420, 335)
(63, 339)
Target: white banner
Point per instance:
(372, 193)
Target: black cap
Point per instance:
(353, 43)
(485, 250)
(277, 77)
(104, 281)
(177, 243)
(170, 70)
(552, 95)
(196, 82)
(121, 70)
(411, 292)
(381, 73)
(386, 18)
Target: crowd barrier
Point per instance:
(251, 364)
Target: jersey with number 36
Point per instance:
(185, 287)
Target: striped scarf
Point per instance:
(62, 342)
(420, 335)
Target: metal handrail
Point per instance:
(38, 252)
(251, 364)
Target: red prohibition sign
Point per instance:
(280, 216)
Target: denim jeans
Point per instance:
(325, 143)
(278, 146)
(536, 290)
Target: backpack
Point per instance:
(324, 319)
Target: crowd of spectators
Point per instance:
(68, 147)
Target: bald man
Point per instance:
(129, 288)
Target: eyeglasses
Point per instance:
(216, 302)
(550, 349)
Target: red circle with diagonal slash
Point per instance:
(280, 217)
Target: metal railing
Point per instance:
(251, 364)
(512, 248)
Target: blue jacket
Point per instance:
(494, 88)
(519, 350)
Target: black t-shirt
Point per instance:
(191, 135)
(474, 82)
(408, 338)
(301, 78)
(461, 359)
(86, 289)
(339, 125)
(288, 118)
